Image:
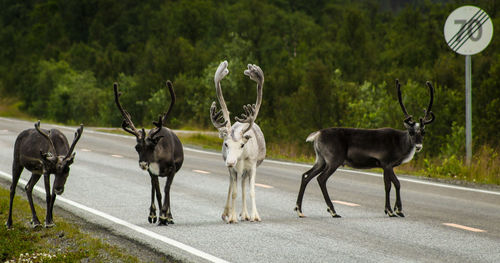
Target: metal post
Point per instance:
(468, 110)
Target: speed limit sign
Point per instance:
(468, 30)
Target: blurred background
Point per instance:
(326, 63)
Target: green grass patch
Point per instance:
(62, 243)
(209, 142)
(484, 167)
(10, 107)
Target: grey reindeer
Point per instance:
(384, 148)
(160, 153)
(42, 152)
(244, 147)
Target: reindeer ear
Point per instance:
(223, 133)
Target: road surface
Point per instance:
(106, 187)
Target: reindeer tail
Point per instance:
(312, 137)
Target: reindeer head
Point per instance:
(416, 130)
(146, 144)
(236, 136)
(58, 164)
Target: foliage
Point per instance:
(327, 63)
(484, 168)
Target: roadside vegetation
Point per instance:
(327, 63)
(66, 242)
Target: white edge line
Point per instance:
(124, 223)
(305, 165)
(468, 228)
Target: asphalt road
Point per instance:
(107, 187)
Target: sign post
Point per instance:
(468, 30)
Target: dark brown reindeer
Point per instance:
(160, 153)
(384, 148)
(42, 152)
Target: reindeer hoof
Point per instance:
(163, 221)
(244, 216)
(49, 224)
(35, 224)
(152, 219)
(8, 224)
(299, 212)
(399, 212)
(333, 213)
(170, 221)
(256, 219)
(389, 212)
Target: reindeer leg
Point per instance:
(29, 192)
(244, 211)
(306, 178)
(232, 210)
(16, 174)
(398, 207)
(255, 215)
(156, 185)
(225, 214)
(166, 213)
(327, 172)
(387, 183)
(49, 221)
(152, 209)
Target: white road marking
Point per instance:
(345, 203)
(201, 172)
(85, 150)
(124, 223)
(264, 186)
(4, 130)
(464, 227)
(290, 163)
(117, 156)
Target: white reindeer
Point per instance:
(244, 146)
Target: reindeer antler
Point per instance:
(37, 127)
(78, 134)
(172, 102)
(251, 111)
(127, 124)
(408, 118)
(220, 119)
(428, 111)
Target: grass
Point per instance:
(63, 243)
(484, 167)
(10, 107)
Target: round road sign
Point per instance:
(468, 30)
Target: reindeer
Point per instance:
(244, 147)
(42, 152)
(160, 153)
(384, 148)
